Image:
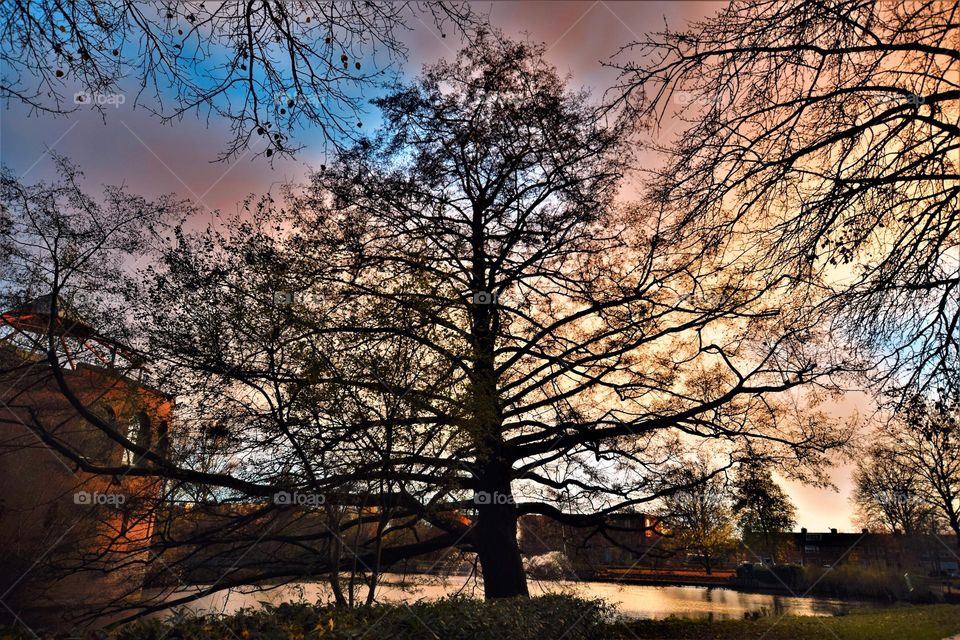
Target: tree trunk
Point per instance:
(336, 552)
(496, 537)
(495, 532)
(955, 525)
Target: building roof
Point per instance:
(35, 317)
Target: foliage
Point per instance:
(763, 509)
(844, 580)
(914, 622)
(760, 502)
(541, 617)
(775, 576)
(455, 618)
(699, 515)
(854, 581)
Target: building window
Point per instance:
(162, 438)
(138, 432)
(97, 445)
(810, 548)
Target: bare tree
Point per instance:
(887, 493)
(826, 134)
(453, 325)
(56, 234)
(700, 517)
(923, 437)
(268, 68)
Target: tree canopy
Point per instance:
(699, 517)
(456, 323)
(826, 134)
(269, 69)
(910, 480)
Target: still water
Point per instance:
(636, 601)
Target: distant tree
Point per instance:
(699, 516)
(825, 136)
(55, 231)
(761, 506)
(888, 495)
(265, 67)
(455, 324)
(923, 437)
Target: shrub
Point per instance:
(867, 582)
(751, 575)
(549, 616)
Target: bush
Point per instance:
(549, 616)
(867, 582)
(752, 575)
(841, 581)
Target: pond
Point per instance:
(635, 601)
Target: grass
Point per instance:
(550, 617)
(920, 622)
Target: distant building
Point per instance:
(637, 541)
(882, 550)
(55, 519)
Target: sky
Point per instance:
(132, 147)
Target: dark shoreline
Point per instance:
(730, 584)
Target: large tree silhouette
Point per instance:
(456, 323)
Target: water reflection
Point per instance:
(636, 601)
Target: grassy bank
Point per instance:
(546, 617)
(919, 622)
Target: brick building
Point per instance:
(881, 550)
(58, 523)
